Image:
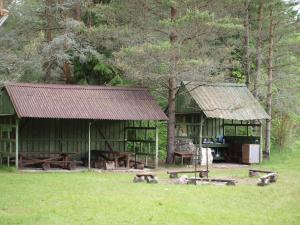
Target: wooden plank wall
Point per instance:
(212, 128)
(42, 136)
(7, 135)
(184, 103)
(69, 136)
(6, 106)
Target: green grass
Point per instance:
(112, 198)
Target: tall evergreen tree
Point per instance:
(164, 42)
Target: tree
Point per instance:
(269, 84)
(247, 61)
(258, 47)
(163, 42)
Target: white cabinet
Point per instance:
(250, 153)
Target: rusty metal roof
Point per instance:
(226, 101)
(83, 102)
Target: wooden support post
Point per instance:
(196, 159)
(125, 136)
(260, 142)
(17, 143)
(89, 159)
(156, 147)
(223, 128)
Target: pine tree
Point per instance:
(161, 43)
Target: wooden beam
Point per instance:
(260, 144)
(89, 159)
(140, 128)
(242, 125)
(156, 147)
(17, 143)
(105, 140)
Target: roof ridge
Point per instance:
(73, 86)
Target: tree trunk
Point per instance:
(77, 11)
(258, 47)
(246, 44)
(172, 90)
(1, 6)
(66, 65)
(269, 89)
(171, 121)
(48, 34)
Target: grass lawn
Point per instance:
(112, 198)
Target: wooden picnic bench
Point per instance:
(141, 177)
(114, 156)
(183, 155)
(266, 179)
(63, 161)
(255, 172)
(174, 174)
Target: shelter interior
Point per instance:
(202, 112)
(224, 137)
(40, 138)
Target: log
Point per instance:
(174, 174)
(226, 181)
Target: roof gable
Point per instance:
(226, 101)
(83, 102)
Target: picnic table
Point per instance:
(183, 155)
(141, 177)
(61, 160)
(114, 156)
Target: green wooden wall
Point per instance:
(7, 135)
(188, 125)
(185, 103)
(40, 137)
(69, 136)
(6, 106)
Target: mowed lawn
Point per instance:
(112, 198)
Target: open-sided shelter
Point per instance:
(222, 116)
(41, 119)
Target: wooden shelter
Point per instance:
(224, 117)
(46, 119)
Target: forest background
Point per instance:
(157, 44)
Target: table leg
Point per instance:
(116, 162)
(128, 161)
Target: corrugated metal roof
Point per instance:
(226, 101)
(83, 102)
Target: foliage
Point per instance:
(92, 70)
(128, 43)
